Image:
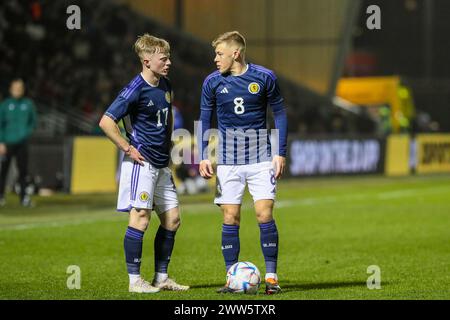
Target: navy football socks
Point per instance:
(269, 245)
(133, 250)
(230, 244)
(164, 241)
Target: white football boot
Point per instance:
(142, 286)
(169, 284)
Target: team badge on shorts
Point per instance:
(253, 88)
(168, 98)
(144, 196)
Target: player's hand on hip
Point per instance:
(278, 163)
(134, 154)
(2, 149)
(206, 169)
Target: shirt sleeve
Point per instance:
(122, 105)
(281, 124)
(276, 102)
(207, 105)
(274, 96)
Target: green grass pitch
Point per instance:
(331, 230)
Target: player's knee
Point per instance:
(231, 214)
(140, 219)
(170, 220)
(172, 224)
(231, 218)
(142, 224)
(264, 211)
(264, 216)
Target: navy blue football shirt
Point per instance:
(146, 111)
(241, 103)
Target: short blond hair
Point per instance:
(231, 37)
(150, 44)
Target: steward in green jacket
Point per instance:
(17, 123)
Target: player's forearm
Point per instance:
(112, 131)
(280, 117)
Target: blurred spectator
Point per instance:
(17, 123)
(80, 71)
(384, 124)
(191, 181)
(425, 123)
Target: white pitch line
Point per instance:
(380, 196)
(204, 208)
(55, 224)
(117, 216)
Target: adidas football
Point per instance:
(244, 277)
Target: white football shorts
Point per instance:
(145, 187)
(231, 181)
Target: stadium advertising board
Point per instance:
(433, 153)
(398, 153)
(311, 157)
(93, 173)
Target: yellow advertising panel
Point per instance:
(94, 165)
(372, 91)
(397, 155)
(433, 153)
(368, 90)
